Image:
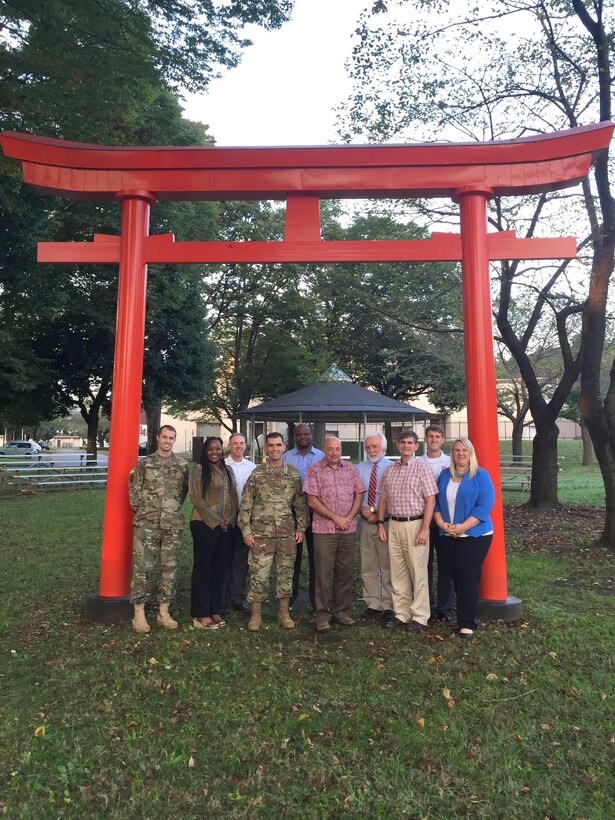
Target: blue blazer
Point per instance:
(474, 497)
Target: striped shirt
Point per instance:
(406, 486)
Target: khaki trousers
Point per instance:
(375, 567)
(409, 571)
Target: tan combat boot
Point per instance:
(254, 624)
(284, 618)
(164, 619)
(139, 622)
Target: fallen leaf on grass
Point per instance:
(524, 790)
(191, 762)
(518, 739)
(446, 693)
(545, 727)
(39, 731)
(552, 654)
(152, 661)
(451, 703)
(284, 743)
(602, 695)
(421, 722)
(257, 801)
(304, 716)
(491, 676)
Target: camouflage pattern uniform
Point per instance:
(157, 488)
(273, 510)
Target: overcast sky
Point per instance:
(288, 82)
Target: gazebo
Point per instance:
(334, 397)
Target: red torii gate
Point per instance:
(469, 173)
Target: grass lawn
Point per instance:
(100, 722)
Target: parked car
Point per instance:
(143, 448)
(20, 448)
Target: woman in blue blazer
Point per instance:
(462, 513)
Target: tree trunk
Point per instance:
(92, 422)
(517, 443)
(152, 417)
(543, 491)
(607, 468)
(388, 432)
(588, 448)
(319, 435)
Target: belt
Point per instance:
(406, 517)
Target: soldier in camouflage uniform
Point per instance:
(272, 517)
(158, 486)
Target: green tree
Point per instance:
(99, 71)
(399, 332)
(506, 70)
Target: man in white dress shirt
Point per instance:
(234, 586)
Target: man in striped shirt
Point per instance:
(408, 495)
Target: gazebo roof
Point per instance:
(334, 401)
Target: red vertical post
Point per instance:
(116, 560)
(480, 380)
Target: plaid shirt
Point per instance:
(335, 487)
(405, 487)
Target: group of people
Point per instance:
(410, 514)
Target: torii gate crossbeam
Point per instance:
(469, 173)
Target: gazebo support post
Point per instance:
(113, 603)
(481, 391)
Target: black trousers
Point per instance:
(210, 551)
(441, 604)
(309, 542)
(236, 569)
(464, 558)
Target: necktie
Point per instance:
(371, 491)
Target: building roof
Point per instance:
(334, 401)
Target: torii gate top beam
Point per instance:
(508, 168)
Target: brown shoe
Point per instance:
(414, 626)
(322, 626)
(343, 619)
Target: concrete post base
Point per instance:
(104, 610)
(509, 610)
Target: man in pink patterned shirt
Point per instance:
(334, 491)
(408, 494)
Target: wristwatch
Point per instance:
(380, 521)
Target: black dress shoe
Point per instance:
(414, 626)
(371, 614)
(394, 623)
(242, 607)
(388, 615)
